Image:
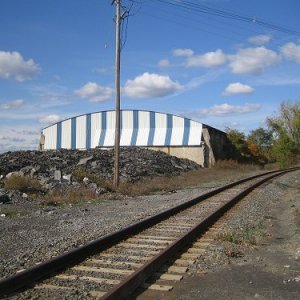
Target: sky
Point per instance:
(225, 63)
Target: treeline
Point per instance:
(278, 143)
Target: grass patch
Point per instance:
(249, 235)
(23, 184)
(74, 196)
(13, 213)
(223, 171)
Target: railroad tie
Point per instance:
(88, 278)
(102, 270)
(113, 263)
(157, 287)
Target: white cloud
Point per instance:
(12, 104)
(237, 88)
(95, 92)
(291, 51)
(18, 138)
(227, 109)
(207, 60)
(259, 39)
(183, 52)
(252, 61)
(50, 119)
(164, 63)
(13, 65)
(150, 86)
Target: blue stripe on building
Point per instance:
(103, 129)
(152, 129)
(135, 128)
(58, 136)
(169, 129)
(73, 133)
(88, 132)
(186, 132)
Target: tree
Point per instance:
(260, 143)
(285, 151)
(288, 122)
(239, 142)
(286, 133)
(263, 138)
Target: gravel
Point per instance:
(253, 211)
(31, 233)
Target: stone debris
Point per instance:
(54, 169)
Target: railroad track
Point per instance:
(115, 265)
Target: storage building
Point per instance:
(172, 134)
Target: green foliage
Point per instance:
(286, 130)
(22, 183)
(285, 150)
(238, 140)
(263, 138)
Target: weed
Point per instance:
(22, 183)
(247, 235)
(233, 252)
(73, 196)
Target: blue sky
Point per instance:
(57, 61)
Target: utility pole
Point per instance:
(117, 99)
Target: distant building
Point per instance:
(178, 136)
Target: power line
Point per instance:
(198, 9)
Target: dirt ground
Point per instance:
(270, 270)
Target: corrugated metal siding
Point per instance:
(109, 138)
(81, 132)
(160, 129)
(143, 128)
(195, 133)
(66, 134)
(50, 137)
(138, 128)
(95, 129)
(177, 133)
(126, 128)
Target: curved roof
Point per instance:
(137, 128)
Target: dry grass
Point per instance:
(23, 184)
(223, 170)
(59, 197)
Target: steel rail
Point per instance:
(136, 279)
(30, 276)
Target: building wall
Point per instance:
(193, 153)
(171, 134)
(137, 128)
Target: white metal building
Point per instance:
(138, 128)
(172, 134)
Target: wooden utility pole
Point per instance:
(117, 99)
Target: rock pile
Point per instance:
(55, 167)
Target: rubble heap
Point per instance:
(55, 167)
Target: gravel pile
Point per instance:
(134, 163)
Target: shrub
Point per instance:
(22, 183)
